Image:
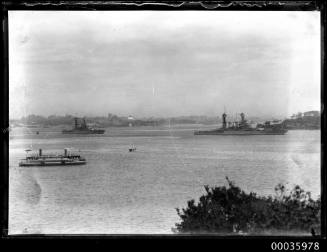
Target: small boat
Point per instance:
(132, 148)
(52, 159)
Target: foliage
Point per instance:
(231, 210)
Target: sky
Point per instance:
(163, 63)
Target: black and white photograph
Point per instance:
(164, 122)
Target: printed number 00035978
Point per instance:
(295, 246)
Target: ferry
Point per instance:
(52, 159)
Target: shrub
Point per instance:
(231, 210)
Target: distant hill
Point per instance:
(306, 120)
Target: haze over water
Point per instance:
(119, 192)
(164, 63)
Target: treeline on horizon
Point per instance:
(306, 120)
(111, 120)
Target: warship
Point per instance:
(82, 128)
(243, 128)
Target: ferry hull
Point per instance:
(86, 132)
(54, 163)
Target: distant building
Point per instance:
(294, 116)
(299, 115)
(273, 122)
(311, 113)
(110, 116)
(130, 120)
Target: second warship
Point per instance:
(82, 128)
(243, 128)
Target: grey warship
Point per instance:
(82, 128)
(243, 128)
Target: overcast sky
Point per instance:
(163, 63)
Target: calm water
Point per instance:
(120, 192)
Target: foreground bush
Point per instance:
(231, 210)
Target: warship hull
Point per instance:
(239, 132)
(98, 131)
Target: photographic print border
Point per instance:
(156, 6)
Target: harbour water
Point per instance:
(122, 192)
